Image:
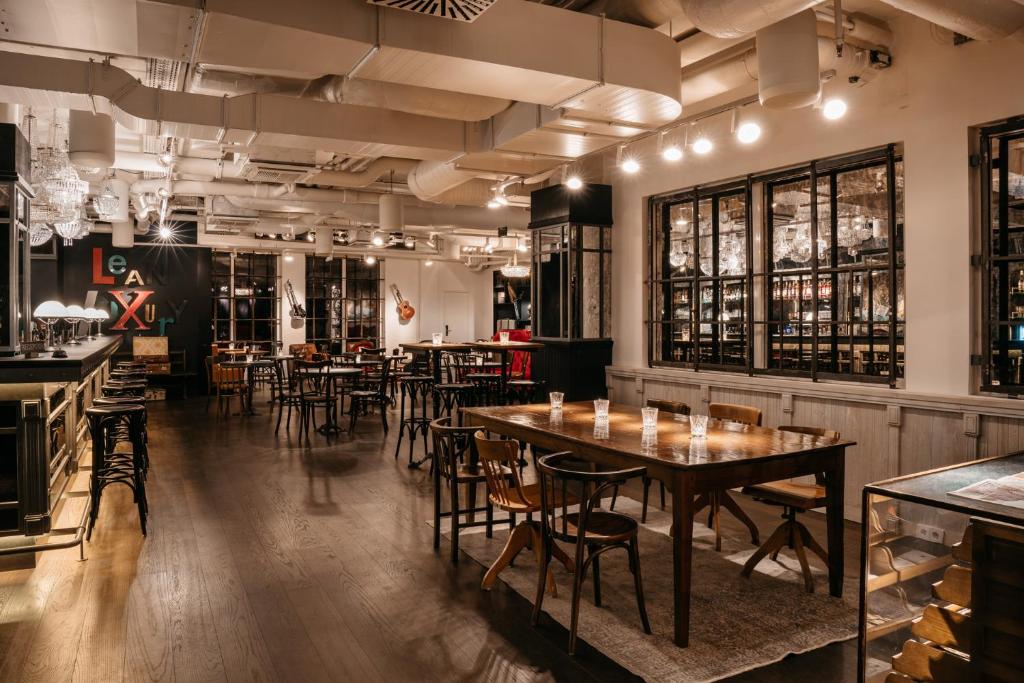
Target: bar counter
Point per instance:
(81, 361)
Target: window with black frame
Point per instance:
(833, 273)
(245, 290)
(1002, 150)
(701, 282)
(343, 302)
(832, 310)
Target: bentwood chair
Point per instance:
(564, 477)
(376, 395)
(286, 393)
(716, 500)
(224, 383)
(455, 465)
(499, 460)
(794, 498)
(313, 378)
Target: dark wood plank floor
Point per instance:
(271, 560)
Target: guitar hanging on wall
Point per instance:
(297, 309)
(404, 308)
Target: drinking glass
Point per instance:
(503, 337)
(556, 399)
(649, 438)
(600, 408)
(359, 357)
(437, 338)
(600, 429)
(650, 417)
(698, 426)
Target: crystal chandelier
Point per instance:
(68, 230)
(60, 193)
(39, 233)
(514, 269)
(106, 203)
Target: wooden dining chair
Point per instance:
(498, 458)
(794, 497)
(455, 465)
(565, 478)
(375, 395)
(224, 383)
(716, 500)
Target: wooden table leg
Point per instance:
(682, 552)
(834, 492)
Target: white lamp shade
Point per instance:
(50, 309)
(90, 313)
(101, 314)
(74, 312)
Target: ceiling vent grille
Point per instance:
(229, 225)
(273, 172)
(459, 10)
(162, 73)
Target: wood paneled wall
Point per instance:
(897, 432)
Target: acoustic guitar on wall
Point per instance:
(404, 308)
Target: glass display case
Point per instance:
(933, 559)
(15, 195)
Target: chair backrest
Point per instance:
(385, 377)
(306, 351)
(733, 412)
(312, 376)
(819, 478)
(217, 375)
(451, 444)
(666, 406)
(567, 480)
(497, 457)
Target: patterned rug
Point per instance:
(736, 624)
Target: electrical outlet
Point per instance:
(932, 534)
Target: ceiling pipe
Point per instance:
(738, 18)
(978, 19)
(430, 179)
(150, 163)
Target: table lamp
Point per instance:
(73, 315)
(48, 313)
(90, 318)
(101, 315)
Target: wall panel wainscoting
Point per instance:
(897, 432)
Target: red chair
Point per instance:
(519, 367)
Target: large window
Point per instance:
(246, 294)
(820, 296)
(701, 278)
(1003, 256)
(343, 302)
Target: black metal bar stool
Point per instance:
(122, 432)
(455, 392)
(113, 466)
(113, 388)
(413, 390)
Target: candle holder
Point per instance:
(73, 315)
(48, 313)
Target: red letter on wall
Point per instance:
(98, 278)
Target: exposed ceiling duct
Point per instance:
(431, 179)
(978, 19)
(90, 140)
(787, 62)
(737, 18)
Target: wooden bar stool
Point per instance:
(794, 497)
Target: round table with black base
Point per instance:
(330, 425)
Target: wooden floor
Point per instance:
(271, 560)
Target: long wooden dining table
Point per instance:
(731, 455)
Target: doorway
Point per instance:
(458, 317)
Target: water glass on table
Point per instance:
(556, 397)
(600, 409)
(698, 426)
(650, 418)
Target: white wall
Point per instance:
(928, 100)
(293, 331)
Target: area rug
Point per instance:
(736, 624)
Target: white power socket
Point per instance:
(932, 534)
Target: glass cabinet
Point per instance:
(573, 271)
(15, 195)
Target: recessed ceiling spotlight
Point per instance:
(748, 132)
(410, 242)
(702, 145)
(165, 232)
(288, 257)
(377, 239)
(574, 182)
(310, 236)
(370, 259)
(166, 158)
(834, 108)
(630, 165)
(493, 204)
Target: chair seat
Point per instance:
(364, 393)
(453, 386)
(791, 494)
(415, 378)
(604, 527)
(522, 383)
(483, 377)
(317, 398)
(530, 502)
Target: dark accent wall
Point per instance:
(168, 286)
